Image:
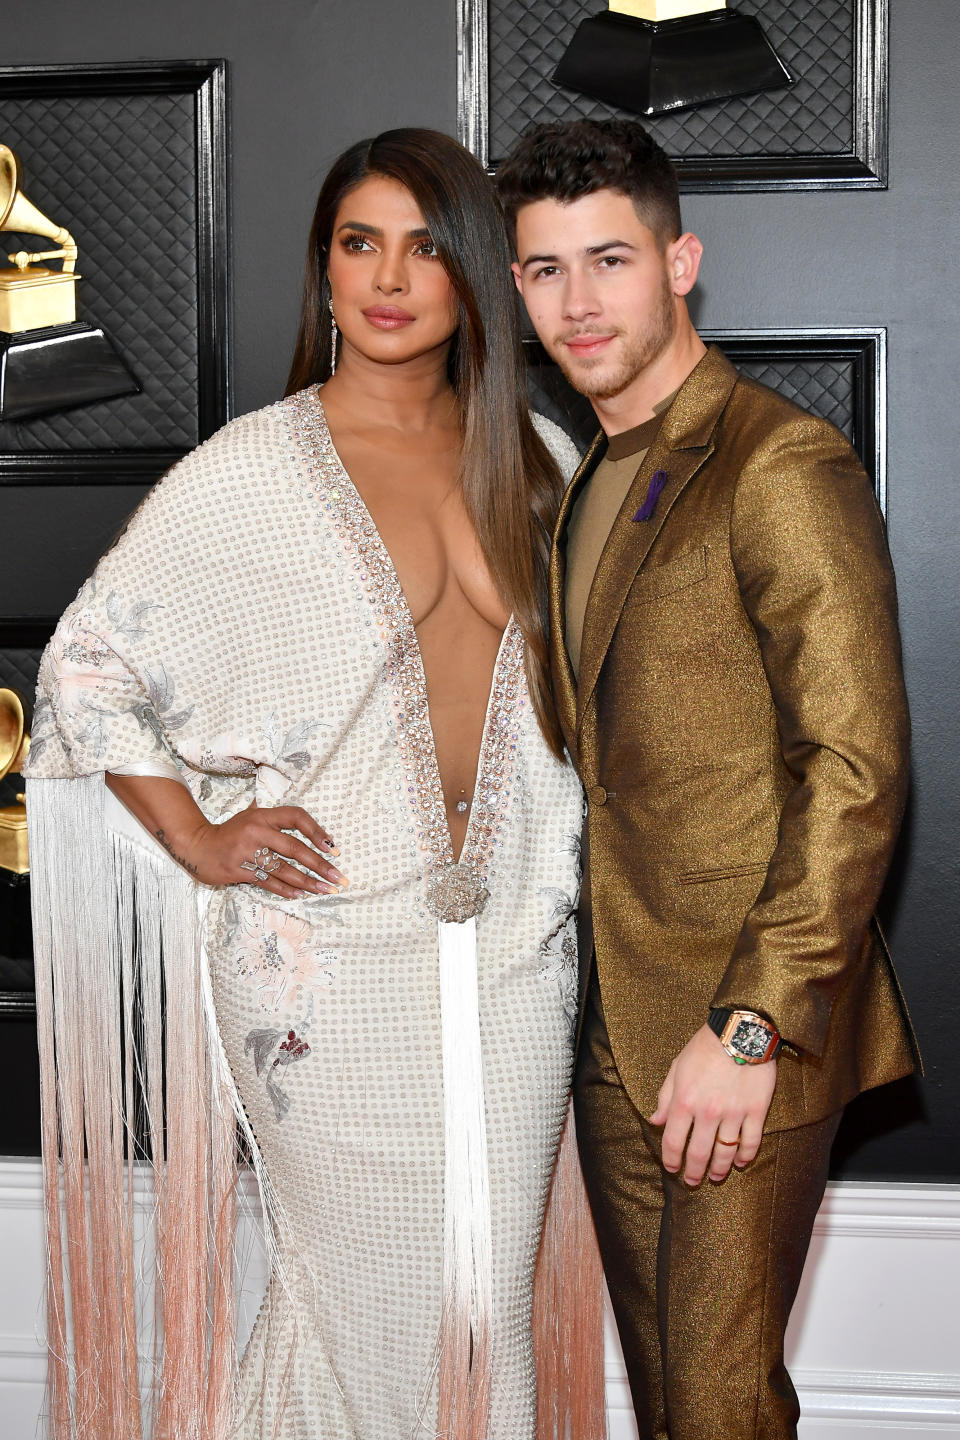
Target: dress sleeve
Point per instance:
(558, 442)
(106, 696)
(140, 666)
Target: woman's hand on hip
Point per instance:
(258, 847)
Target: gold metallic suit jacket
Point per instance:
(741, 728)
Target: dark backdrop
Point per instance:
(306, 79)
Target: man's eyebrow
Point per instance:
(599, 249)
(421, 233)
(539, 260)
(608, 245)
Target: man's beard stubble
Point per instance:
(598, 383)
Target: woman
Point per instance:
(313, 672)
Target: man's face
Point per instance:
(601, 291)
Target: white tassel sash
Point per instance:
(467, 1263)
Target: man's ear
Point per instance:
(683, 262)
(517, 275)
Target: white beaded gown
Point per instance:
(250, 627)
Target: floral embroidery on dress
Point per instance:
(157, 714)
(276, 954)
(274, 1048)
(558, 950)
(572, 844)
(562, 905)
(289, 747)
(323, 907)
(129, 622)
(88, 664)
(283, 751)
(285, 1048)
(44, 727)
(220, 758)
(86, 667)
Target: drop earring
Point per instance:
(333, 338)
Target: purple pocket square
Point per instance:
(660, 479)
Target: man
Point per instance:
(727, 669)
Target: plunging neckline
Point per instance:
(387, 598)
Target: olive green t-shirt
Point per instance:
(591, 519)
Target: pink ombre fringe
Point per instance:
(568, 1309)
(120, 1013)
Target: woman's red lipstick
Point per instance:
(388, 317)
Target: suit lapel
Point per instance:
(684, 444)
(564, 683)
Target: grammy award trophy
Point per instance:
(49, 360)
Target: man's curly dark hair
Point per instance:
(565, 162)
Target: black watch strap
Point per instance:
(717, 1020)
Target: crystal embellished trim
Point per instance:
(334, 493)
(456, 893)
(498, 753)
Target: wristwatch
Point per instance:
(746, 1036)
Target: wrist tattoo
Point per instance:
(161, 836)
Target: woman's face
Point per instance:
(391, 295)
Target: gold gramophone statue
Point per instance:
(14, 745)
(49, 360)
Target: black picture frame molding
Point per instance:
(863, 167)
(206, 80)
(863, 347)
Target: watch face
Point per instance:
(750, 1039)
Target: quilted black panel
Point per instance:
(18, 670)
(814, 38)
(119, 172)
(825, 386)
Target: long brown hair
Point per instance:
(511, 486)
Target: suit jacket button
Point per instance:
(598, 796)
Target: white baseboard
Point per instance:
(933, 1400)
(873, 1346)
(836, 1403)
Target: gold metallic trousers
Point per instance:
(701, 1280)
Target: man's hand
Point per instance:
(706, 1099)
